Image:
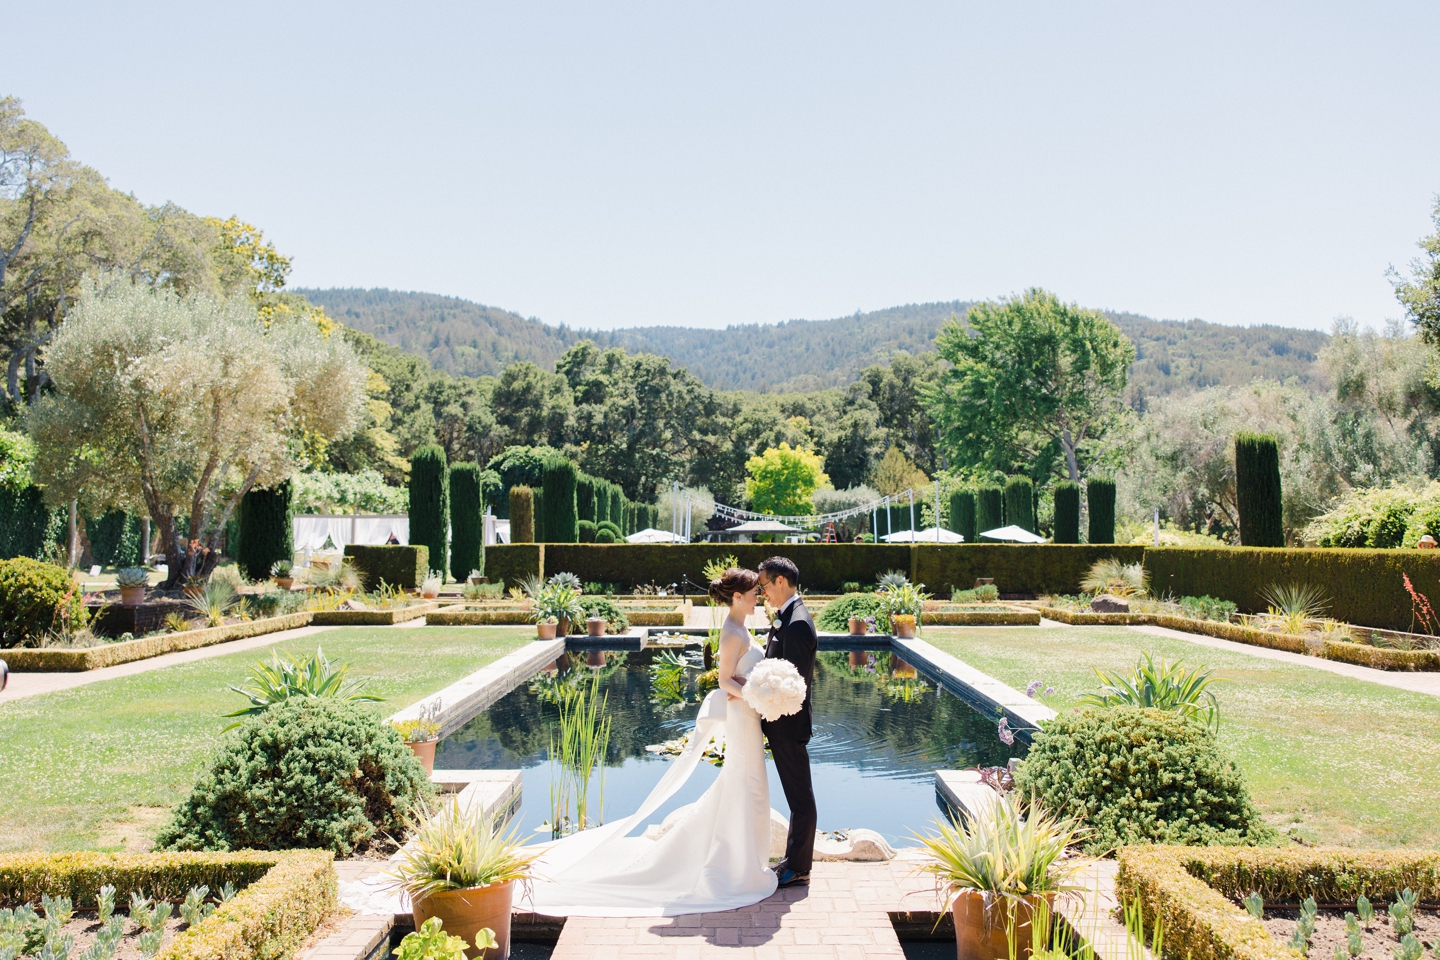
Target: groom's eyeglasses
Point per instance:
(762, 584)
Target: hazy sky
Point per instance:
(608, 164)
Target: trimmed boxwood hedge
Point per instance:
(506, 563)
(283, 896)
(1364, 587)
(398, 565)
(1016, 568)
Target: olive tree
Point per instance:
(178, 405)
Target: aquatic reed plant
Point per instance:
(576, 750)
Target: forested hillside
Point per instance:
(462, 337)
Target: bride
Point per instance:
(715, 858)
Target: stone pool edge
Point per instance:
(466, 697)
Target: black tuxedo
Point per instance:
(795, 640)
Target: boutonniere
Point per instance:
(775, 623)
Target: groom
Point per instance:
(793, 638)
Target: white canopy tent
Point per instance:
(762, 526)
(932, 535)
(1012, 534)
(313, 530)
(651, 535)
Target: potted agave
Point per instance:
(459, 867)
(132, 582)
(283, 573)
(998, 871)
(559, 602)
(421, 736)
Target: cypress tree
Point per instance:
(267, 533)
(1067, 512)
(962, 514)
(1100, 501)
(467, 532)
(617, 508)
(1257, 490)
(1020, 503)
(989, 508)
(585, 497)
(522, 515)
(430, 504)
(602, 501)
(562, 521)
(537, 516)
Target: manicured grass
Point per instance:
(1329, 759)
(97, 767)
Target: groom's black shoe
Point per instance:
(789, 878)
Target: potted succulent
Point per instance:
(458, 867)
(998, 870)
(132, 582)
(559, 602)
(476, 578)
(421, 735)
(430, 587)
(545, 628)
(194, 587)
(283, 573)
(595, 626)
(902, 604)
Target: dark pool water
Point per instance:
(882, 728)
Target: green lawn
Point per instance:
(1329, 759)
(98, 766)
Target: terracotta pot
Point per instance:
(425, 750)
(562, 629)
(982, 935)
(595, 626)
(595, 658)
(429, 594)
(284, 583)
(859, 659)
(547, 630)
(905, 631)
(899, 668)
(464, 912)
(858, 627)
(132, 596)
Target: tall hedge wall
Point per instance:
(1067, 512)
(989, 508)
(1364, 586)
(115, 539)
(602, 500)
(26, 524)
(561, 518)
(962, 514)
(506, 563)
(467, 530)
(537, 516)
(397, 565)
(430, 503)
(267, 533)
(617, 508)
(1258, 497)
(1100, 505)
(1016, 568)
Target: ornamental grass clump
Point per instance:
(1165, 686)
(1137, 775)
(309, 676)
(308, 772)
(1116, 578)
(455, 847)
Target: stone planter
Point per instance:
(425, 750)
(595, 626)
(985, 935)
(132, 596)
(464, 913)
(858, 627)
(546, 631)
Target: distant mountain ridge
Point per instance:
(464, 337)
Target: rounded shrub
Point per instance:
(606, 534)
(1138, 775)
(309, 772)
(615, 619)
(837, 613)
(586, 529)
(614, 529)
(36, 598)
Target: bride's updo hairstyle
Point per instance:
(735, 580)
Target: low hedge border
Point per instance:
(372, 618)
(1360, 654)
(459, 617)
(983, 618)
(111, 654)
(1190, 889)
(285, 896)
(655, 618)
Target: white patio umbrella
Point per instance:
(1013, 534)
(932, 535)
(651, 535)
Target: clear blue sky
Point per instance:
(609, 164)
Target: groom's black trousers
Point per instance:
(792, 763)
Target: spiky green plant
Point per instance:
(557, 600)
(194, 909)
(132, 577)
(1163, 686)
(105, 902)
(566, 579)
(457, 847)
(1365, 910)
(213, 601)
(1255, 905)
(580, 747)
(892, 578)
(716, 568)
(1117, 578)
(308, 676)
(907, 599)
(1292, 605)
(1410, 948)
(532, 584)
(1009, 852)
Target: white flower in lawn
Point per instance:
(775, 689)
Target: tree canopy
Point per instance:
(783, 481)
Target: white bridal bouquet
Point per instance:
(775, 689)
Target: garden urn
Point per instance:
(985, 935)
(858, 627)
(425, 751)
(464, 913)
(595, 626)
(132, 596)
(430, 593)
(546, 631)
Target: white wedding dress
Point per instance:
(714, 859)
